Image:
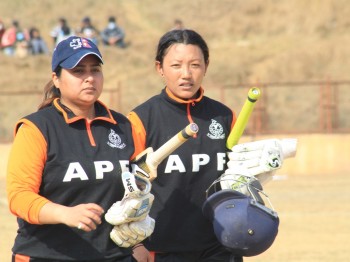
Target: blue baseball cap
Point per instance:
(70, 51)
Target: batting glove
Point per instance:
(136, 202)
(130, 234)
(259, 159)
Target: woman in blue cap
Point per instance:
(66, 162)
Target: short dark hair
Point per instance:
(111, 19)
(15, 23)
(62, 20)
(86, 19)
(185, 36)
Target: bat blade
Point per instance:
(146, 162)
(243, 117)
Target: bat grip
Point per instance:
(254, 94)
(242, 119)
(188, 131)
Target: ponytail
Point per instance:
(51, 92)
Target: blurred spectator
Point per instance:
(22, 44)
(87, 30)
(113, 34)
(2, 31)
(15, 40)
(37, 43)
(178, 24)
(8, 40)
(61, 31)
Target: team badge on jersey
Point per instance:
(216, 130)
(115, 140)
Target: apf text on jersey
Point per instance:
(174, 163)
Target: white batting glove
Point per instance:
(259, 159)
(136, 202)
(130, 234)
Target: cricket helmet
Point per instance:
(242, 223)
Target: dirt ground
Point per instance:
(314, 216)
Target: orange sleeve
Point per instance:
(24, 172)
(234, 118)
(138, 133)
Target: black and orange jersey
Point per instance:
(59, 157)
(184, 176)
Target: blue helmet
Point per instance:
(242, 224)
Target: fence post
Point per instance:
(327, 107)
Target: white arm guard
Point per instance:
(136, 202)
(130, 234)
(259, 159)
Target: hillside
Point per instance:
(266, 41)
(250, 41)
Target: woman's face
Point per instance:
(82, 85)
(183, 70)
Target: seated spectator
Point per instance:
(8, 41)
(113, 35)
(61, 31)
(87, 30)
(15, 40)
(37, 44)
(22, 48)
(2, 31)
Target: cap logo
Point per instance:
(79, 42)
(86, 43)
(69, 52)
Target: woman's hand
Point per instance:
(85, 217)
(141, 254)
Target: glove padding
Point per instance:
(136, 203)
(130, 234)
(259, 159)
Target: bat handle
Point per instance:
(242, 119)
(165, 150)
(254, 94)
(189, 131)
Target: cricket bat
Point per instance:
(146, 163)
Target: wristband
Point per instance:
(137, 245)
